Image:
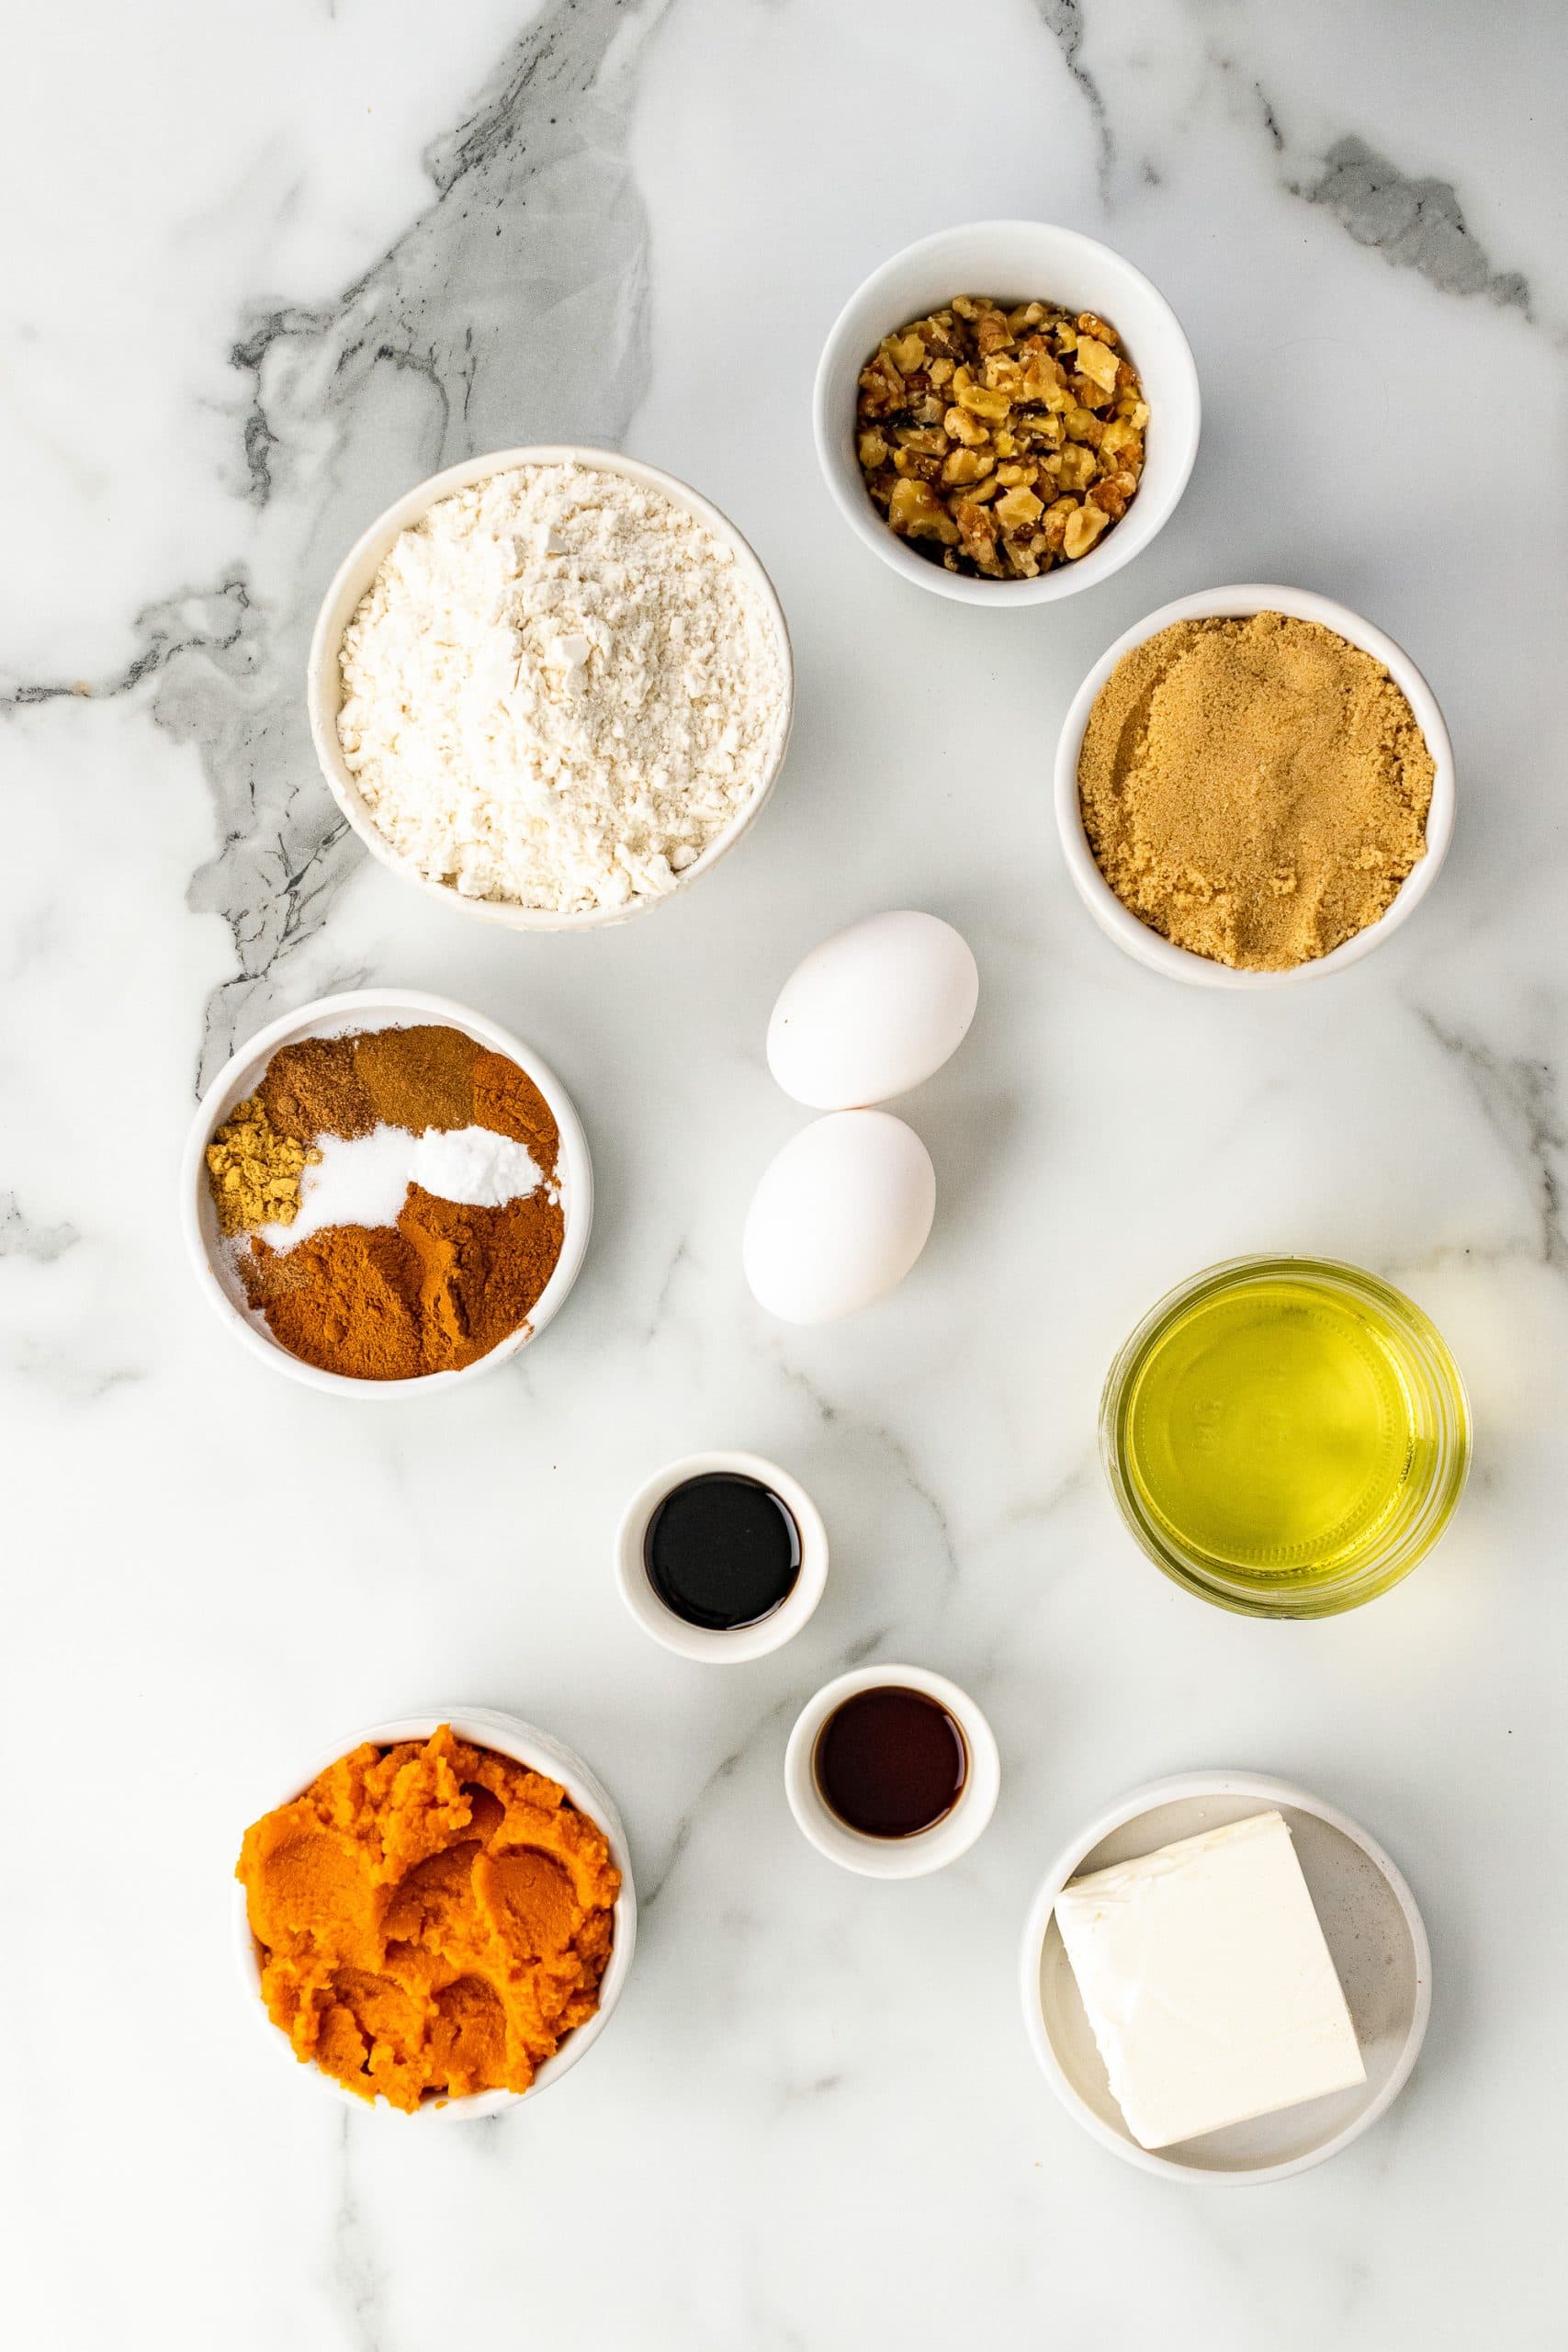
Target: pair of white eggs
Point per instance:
(844, 1210)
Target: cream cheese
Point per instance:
(1211, 1990)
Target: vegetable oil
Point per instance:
(1286, 1435)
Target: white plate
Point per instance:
(1374, 1932)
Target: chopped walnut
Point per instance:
(1001, 440)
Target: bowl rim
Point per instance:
(705, 1644)
(225, 1088)
(492, 1728)
(1239, 601)
(322, 679)
(1131, 537)
(893, 1858)
(1148, 1798)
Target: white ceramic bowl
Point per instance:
(1018, 261)
(703, 1642)
(928, 1850)
(1374, 1932)
(524, 1743)
(1117, 922)
(324, 682)
(330, 1017)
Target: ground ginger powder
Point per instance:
(430, 1919)
(254, 1171)
(1255, 791)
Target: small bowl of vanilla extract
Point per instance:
(892, 1771)
(721, 1557)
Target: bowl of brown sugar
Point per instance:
(385, 1190)
(1254, 786)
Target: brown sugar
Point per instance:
(1255, 791)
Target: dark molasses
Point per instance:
(890, 1761)
(722, 1552)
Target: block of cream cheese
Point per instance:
(1211, 1990)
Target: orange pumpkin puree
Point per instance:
(432, 1917)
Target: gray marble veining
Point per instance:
(21, 1238)
(1519, 1095)
(516, 304)
(1414, 222)
(363, 242)
(1064, 20)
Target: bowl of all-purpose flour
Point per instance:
(551, 686)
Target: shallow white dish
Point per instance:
(1374, 1930)
(704, 1644)
(1017, 261)
(1118, 921)
(928, 1850)
(524, 1743)
(324, 678)
(330, 1016)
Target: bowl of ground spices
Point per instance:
(385, 1190)
(438, 1916)
(1254, 786)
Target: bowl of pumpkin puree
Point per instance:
(441, 1918)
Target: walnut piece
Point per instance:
(1001, 440)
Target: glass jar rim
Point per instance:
(1401, 1552)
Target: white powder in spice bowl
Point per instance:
(560, 688)
(365, 1180)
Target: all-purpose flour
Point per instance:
(559, 689)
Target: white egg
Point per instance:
(873, 1012)
(839, 1216)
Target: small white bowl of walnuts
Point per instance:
(1007, 412)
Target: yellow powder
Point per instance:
(253, 1171)
(1254, 790)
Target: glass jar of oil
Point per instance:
(1286, 1436)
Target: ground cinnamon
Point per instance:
(513, 1105)
(433, 1292)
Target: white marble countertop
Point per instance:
(278, 267)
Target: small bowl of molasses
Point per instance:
(892, 1771)
(722, 1557)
